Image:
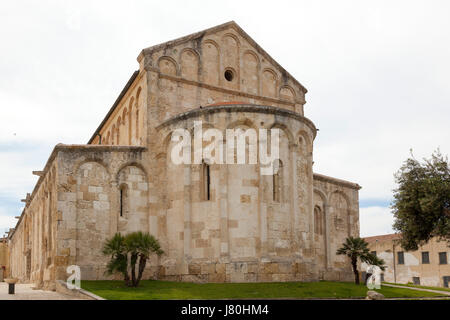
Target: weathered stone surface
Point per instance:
(248, 227)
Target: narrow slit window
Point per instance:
(277, 180)
(123, 200)
(206, 181)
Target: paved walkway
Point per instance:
(446, 293)
(26, 292)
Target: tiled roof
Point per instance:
(385, 237)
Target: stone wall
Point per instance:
(33, 243)
(242, 229)
(336, 217)
(90, 180)
(75, 208)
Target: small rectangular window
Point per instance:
(425, 257)
(416, 280)
(206, 182)
(382, 277)
(373, 252)
(400, 257)
(446, 280)
(442, 257)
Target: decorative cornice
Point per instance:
(251, 108)
(224, 90)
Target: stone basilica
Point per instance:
(215, 222)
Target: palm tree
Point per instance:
(140, 246)
(116, 248)
(137, 246)
(356, 248)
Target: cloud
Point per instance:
(375, 221)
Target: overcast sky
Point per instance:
(377, 74)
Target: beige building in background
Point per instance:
(428, 266)
(216, 222)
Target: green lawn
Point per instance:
(417, 286)
(149, 289)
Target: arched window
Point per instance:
(123, 200)
(277, 184)
(318, 221)
(113, 133)
(130, 121)
(124, 124)
(206, 181)
(119, 122)
(137, 124)
(138, 94)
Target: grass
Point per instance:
(164, 290)
(421, 287)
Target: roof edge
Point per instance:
(384, 237)
(114, 106)
(341, 182)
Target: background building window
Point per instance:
(400, 257)
(425, 257)
(373, 252)
(382, 277)
(442, 257)
(416, 280)
(446, 280)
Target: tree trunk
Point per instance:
(133, 269)
(142, 263)
(127, 279)
(355, 270)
